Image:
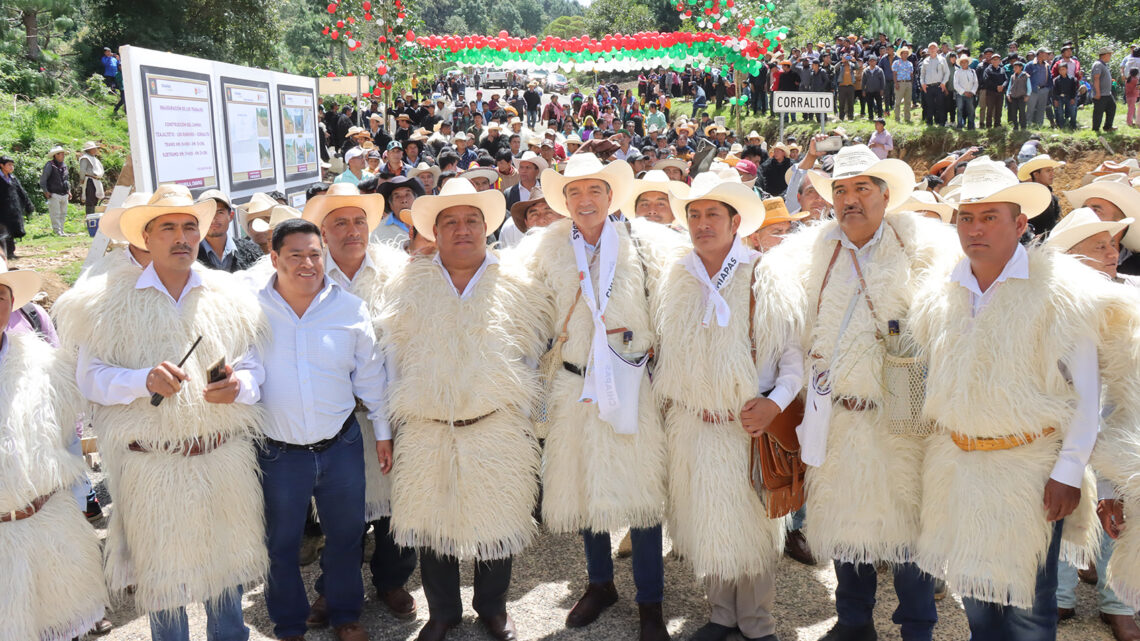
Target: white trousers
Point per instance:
(57, 211)
(744, 603)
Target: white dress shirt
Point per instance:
(509, 234)
(318, 364)
(785, 377)
(333, 271)
(488, 259)
(861, 253)
(109, 385)
(1080, 367)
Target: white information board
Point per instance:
(179, 127)
(249, 140)
(298, 127)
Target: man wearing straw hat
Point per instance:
(346, 218)
(858, 272)
(605, 453)
(1113, 200)
(91, 175)
(56, 188)
(722, 383)
(1009, 463)
(466, 469)
(649, 199)
(259, 207)
(53, 579)
(1042, 169)
(778, 223)
(166, 432)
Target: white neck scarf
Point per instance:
(738, 255)
(600, 384)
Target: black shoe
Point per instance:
(841, 632)
(769, 637)
(712, 632)
(94, 511)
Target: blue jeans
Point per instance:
(994, 622)
(1066, 114)
(1067, 581)
(335, 478)
(798, 518)
(965, 111)
(648, 566)
(223, 621)
(855, 598)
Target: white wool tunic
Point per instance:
(177, 534)
(863, 501)
(466, 491)
(50, 575)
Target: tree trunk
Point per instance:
(30, 18)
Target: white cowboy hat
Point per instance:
(216, 195)
(24, 283)
(481, 172)
(458, 192)
(109, 221)
(424, 168)
(721, 188)
(653, 180)
(344, 195)
(277, 215)
(572, 139)
(671, 162)
(58, 149)
(91, 144)
(1040, 161)
(989, 181)
(1122, 195)
(618, 175)
(257, 207)
(534, 159)
(859, 160)
(929, 201)
(167, 199)
(752, 134)
(1080, 224)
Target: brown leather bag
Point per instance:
(774, 465)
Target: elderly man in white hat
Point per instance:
(722, 384)
(466, 468)
(169, 431)
(347, 219)
(51, 558)
(1042, 169)
(529, 167)
(1009, 463)
(605, 454)
(1113, 200)
(858, 273)
(649, 199)
(56, 188)
(91, 175)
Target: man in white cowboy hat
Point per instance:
(859, 271)
(721, 383)
(604, 463)
(166, 431)
(219, 249)
(483, 178)
(322, 359)
(466, 467)
(91, 175)
(427, 175)
(1114, 200)
(259, 207)
(929, 204)
(56, 188)
(649, 199)
(1042, 169)
(51, 558)
(1010, 462)
(674, 168)
(530, 165)
(346, 219)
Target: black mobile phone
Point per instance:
(217, 371)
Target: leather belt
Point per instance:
(36, 505)
(464, 422)
(574, 369)
(707, 416)
(853, 404)
(190, 447)
(991, 444)
(319, 446)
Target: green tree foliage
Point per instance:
(961, 21)
(566, 27)
(885, 19)
(40, 20)
(519, 17)
(618, 16)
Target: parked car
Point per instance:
(557, 83)
(495, 78)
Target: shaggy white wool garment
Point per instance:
(51, 578)
(992, 376)
(716, 520)
(863, 502)
(594, 478)
(464, 491)
(178, 534)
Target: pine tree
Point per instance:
(962, 21)
(885, 19)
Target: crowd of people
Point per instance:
(936, 371)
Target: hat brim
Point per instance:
(25, 284)
(317, 209)
(1125, 197)
(109, 224)
(134, 219)
(790, 218)
(897, 174)
(491, 202)
(944, 211)
(741, 198)
(1032, 197)
(518, 212)
(1025, 171)
(618, 175)
(1066, 239)
(641, 187)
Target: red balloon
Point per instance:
(340, 24)
(351, 20)
(503, 33)
(332, 8)
(335, 34)
(326, 31)
(410, 36)
(367, 6)
(330, 75)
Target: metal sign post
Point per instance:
(803, 102)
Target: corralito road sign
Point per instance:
(803, 102)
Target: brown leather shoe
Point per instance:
(318, 614)
(1088, 575)
(1123, 626)
(796, 547)
(435, 630)
(652, 623)
(500, 627)
(1064, 614)
(102, 627)
(400, 603)
(350, 632)
(597, 598)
